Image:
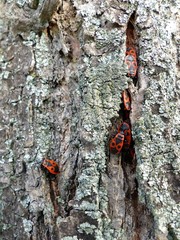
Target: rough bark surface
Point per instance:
(63, 73)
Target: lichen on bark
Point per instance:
(63, 73)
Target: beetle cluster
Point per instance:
(123, 138)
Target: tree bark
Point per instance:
(63, 74)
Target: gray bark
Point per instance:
(63, 73)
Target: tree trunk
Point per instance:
(63, 74)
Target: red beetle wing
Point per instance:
(125, 128)
(131, 61)
(51, 166)
(116, 143)
(126, 100)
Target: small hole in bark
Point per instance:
(49, 33)
(24, 168)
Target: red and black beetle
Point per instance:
(126, 100)
(116, 143)
(50, 165)
(125, 128)
(131, 61)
